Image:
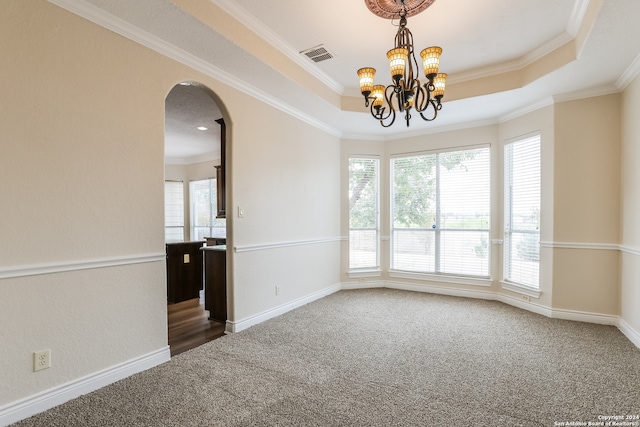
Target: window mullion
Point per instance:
(438, 213)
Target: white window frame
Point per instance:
(365, 270)
(215, 223)
(173, 210)
(481, 280)
(513, 235)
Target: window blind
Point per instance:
(204, 210)
(441, 212)
(522, 211)
(364, 195)
(173, 211)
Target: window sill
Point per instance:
(364, 272)
(521, 289)
(458, 280)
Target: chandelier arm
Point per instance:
(423, 98)
(378, 111)
(389, 101)
(418, 99)
(393, 119)
(414, 69)
(435, 105)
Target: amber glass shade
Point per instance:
(366, 79)
(378, 95)
(431, 60)
(409, 102)
(397, 62)
(439, 83)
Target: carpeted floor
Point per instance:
(381, 357)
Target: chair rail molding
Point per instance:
(64, 266)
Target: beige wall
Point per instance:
(630, 210)
(587, 170)
(587, 204)
(286, 179)
(82, 173)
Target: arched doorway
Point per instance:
(194, 228)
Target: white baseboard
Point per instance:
(441, 290)
(578, 316)
(48, 399)
(629, 332)
(240, 325)
(368, 284)
(524, 305)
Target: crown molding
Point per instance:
(511, 66)
(542, 103)
(364, 137)
(421, 132)
(255, 25)
(577, 16)
(443, 128)
(576, 21)
(629, 74)
(131, 32)
(135, 34)
(586, 93)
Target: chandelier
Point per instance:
(405, 92)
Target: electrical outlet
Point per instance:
(277, 290)
(41, 360)
(525, 298)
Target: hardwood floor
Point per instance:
(189, 326)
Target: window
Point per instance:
(522, 211)
(364, 213)
(173, 211)
(440, 207)
(204, 210)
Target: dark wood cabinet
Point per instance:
(215, 282)
(216, 241)
(184, 271)
(221, 173)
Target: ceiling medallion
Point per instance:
(390, 9)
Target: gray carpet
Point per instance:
(381, 357)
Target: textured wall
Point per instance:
(587, 204)
(82, 171)
(630, 227)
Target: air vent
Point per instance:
(318, 53)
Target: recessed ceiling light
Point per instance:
(202, 128)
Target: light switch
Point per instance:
(186, 258)
(240, 212)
